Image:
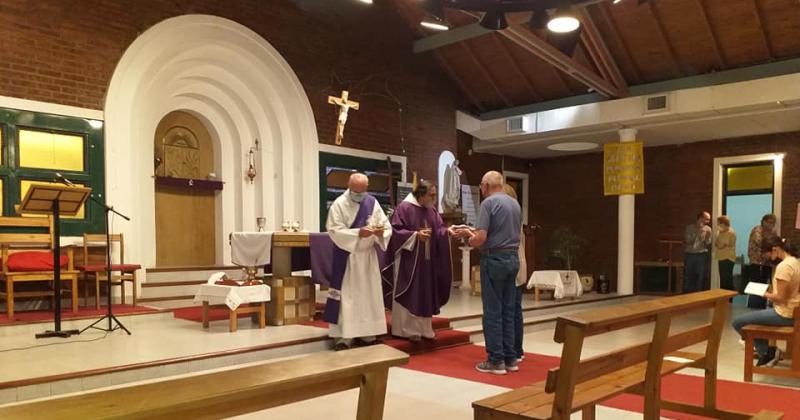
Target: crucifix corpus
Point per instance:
(344, 106)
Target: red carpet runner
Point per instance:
(446, 337)
(459, 363)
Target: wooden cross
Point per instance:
(344, 105)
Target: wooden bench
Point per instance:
(29, 234)
(789, 335)
(232, 392)
(578, 385)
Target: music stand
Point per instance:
(55, 200)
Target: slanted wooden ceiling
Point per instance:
(621, 45)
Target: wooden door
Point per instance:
(185, 217)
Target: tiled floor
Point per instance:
(411, 395)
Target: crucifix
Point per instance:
(344, 105)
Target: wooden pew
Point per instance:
(790, 335)
(578, 385)
(232, 392)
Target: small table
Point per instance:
(563, 283)
(238, 300)
(674, 277)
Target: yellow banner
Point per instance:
(623, 168)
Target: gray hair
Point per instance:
(358, 177)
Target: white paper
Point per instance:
(757, 289)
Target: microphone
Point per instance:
(60, 178)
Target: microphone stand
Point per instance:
(109, 314)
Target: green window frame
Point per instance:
(93, 174)
(332, 161)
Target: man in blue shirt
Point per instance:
(497, 236)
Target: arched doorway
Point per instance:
(242, 89)
(185, 212)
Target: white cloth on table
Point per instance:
(565, 283)
(232, 296)
(251, 249)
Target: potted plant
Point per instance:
(568, 246)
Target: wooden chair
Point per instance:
(232, 392)
(120, 273)
(789, 335)
(579, 385)
(23, 262)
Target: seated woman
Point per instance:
(784, 294)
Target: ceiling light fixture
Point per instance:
(494, 20)
(366, 1)
(538, 19)
(617, 1)
(435, 24)
(563, 21)
(576, 146)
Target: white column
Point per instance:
(626, 216)
(465, 267)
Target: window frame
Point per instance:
(93, 175)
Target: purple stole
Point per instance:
(340, 258)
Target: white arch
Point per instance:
(242, 89)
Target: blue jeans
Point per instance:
(694, 274)
(519, 327)
(763, 317)
(499, 296)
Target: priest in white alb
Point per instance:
(356, 224)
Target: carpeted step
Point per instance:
(437, 322)
(444, 339)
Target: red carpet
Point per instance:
(445, 337)
(459, 363)
(25, 317)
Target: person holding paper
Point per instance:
(697, 242)
(725, 244)
(784, 293)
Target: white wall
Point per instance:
(242, 89)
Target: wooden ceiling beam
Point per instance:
(663, 33)
(515, 65)
(599, 51)
(459, 81)
(762, 31)
(539, 47)
(407, 14)
(623, 46)
(714, 39)
(485, 73)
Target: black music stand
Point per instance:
(55, 200)
(109, 312)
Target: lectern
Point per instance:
(55, 200)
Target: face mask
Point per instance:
(357, 197)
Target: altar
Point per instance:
(292, 297)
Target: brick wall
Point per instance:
(678, 183)
(65, 51)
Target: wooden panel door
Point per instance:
(185, 217)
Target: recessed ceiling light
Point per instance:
(366, 1)
(436, 25)
(573, 146)
(563, 21)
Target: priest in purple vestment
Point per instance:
(418, 274)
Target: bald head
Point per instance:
(358, 183)
(493, 179)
